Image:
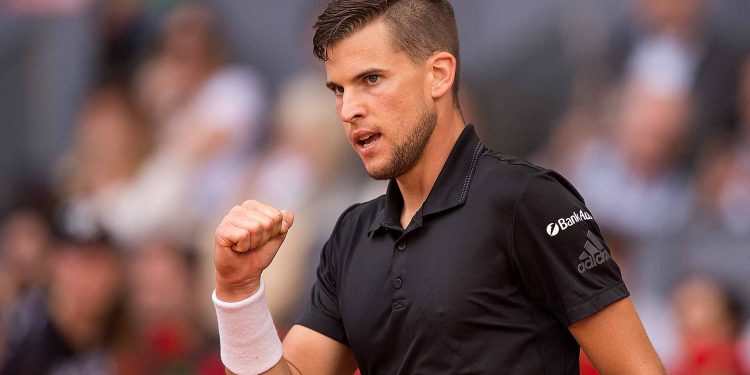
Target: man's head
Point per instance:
(393, 67)
(418, 28)
(653, 127)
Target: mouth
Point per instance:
(367, 140)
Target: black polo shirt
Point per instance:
(500, 259)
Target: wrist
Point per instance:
(234, 292)
(248, 339)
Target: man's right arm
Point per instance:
(246, 243)
(309, 352)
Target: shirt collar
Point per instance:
(450, 189)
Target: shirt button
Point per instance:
(397, 283)
(402, 245)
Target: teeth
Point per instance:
(363, 138)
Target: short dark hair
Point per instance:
(419, 28)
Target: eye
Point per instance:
(372, 79)
(337, 90)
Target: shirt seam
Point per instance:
(532, 311)
(472, 168)
(514, 161)
(590, 299)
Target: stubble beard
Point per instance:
(406, 155)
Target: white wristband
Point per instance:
(248, 338)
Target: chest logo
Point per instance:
(564, 223)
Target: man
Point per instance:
(69, 327)
(472, 262)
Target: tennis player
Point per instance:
(473, 262)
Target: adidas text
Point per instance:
(592, 261)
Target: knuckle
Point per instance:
(221, 229)
(268, 224)
(254, 227)
(224, 233)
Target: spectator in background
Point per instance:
(710, 322)
(717, 240)
(165, 335)
(74, 326)
(632, 177)
(111, 140)
(208, 112)
(207, 117)
(24, 266)
(584, 123)
(731, 193)
(674, 43)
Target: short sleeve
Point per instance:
(561, 256)
(322, 312)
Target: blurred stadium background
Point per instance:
(128, 128)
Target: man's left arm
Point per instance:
(616, 342)
(566, 266)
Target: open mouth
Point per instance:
(368, 140)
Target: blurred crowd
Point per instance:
(129, 128)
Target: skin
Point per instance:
(377, 89)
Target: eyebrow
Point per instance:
(332, 85)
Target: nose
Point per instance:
(351, 107)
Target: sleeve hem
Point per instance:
(595, 304)
(324, 326)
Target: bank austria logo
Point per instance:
(595, 253)
(564, 223)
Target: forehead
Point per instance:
(371, 47)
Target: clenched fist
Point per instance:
(246, 241)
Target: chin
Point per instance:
(377, 172)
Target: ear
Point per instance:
(443, 69)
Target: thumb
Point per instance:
(286, 222)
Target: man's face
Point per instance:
(382, 99)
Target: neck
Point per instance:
(416, 184)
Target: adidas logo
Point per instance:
(594, 255)
(564, 223)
